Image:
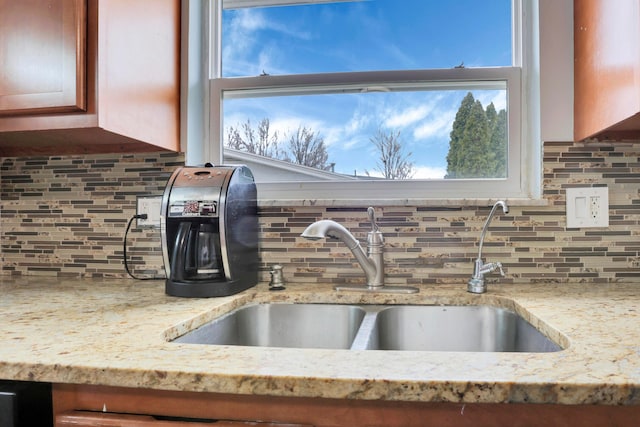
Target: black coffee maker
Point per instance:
(209, 228)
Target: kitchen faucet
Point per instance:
(372, 262)
(476, 284)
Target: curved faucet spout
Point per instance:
(328, 228)
(505, 209)
(476, 284)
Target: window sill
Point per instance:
(398, 202)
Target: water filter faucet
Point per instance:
(476, 284)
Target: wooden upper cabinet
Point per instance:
(89, 76)
(42, 46)
(606, 69)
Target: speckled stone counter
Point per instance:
(117, 333)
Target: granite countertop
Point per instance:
(115, 332)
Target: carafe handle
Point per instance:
(179, 253)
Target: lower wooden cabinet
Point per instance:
(85, 405)
(93, 419)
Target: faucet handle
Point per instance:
(499, 268)
(375, 239)
(481, 269)
(371, 213)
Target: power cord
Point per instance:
(124, 249)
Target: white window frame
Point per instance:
(522, 84)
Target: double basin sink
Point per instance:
(471, 328)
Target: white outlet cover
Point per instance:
(150, 205)
(587, 207)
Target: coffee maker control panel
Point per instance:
(193, 208)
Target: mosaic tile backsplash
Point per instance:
(66, 216)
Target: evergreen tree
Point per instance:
(492, 116)
(456, 144)
(498, 145)
(478, 141)
(476, 158)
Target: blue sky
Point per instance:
(362, 36)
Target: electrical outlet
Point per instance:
(587, 207)
(595, 207)
(151, 206)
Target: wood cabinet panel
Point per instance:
(93, 419)
(606, 69)
(132, 87)
(139, 68)
(334, 412)
(43, 51)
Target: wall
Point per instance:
(66, 216)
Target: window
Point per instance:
(359, 100)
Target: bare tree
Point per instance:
(393, 162)
(307, 148)
(261, 141)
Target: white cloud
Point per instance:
(252, 20)
(438, 125)
(408, 116)
(242, 28)
(357, 122)
(348, 135)
(246, 51)
(249, 20)
(286, 126)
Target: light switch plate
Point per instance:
(587, 207)
(150, 205)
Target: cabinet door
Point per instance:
(42, 46)
(606, 69)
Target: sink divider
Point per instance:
(364, 338)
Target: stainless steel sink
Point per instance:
(282, 325)
(374, 327)
(456, 328)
